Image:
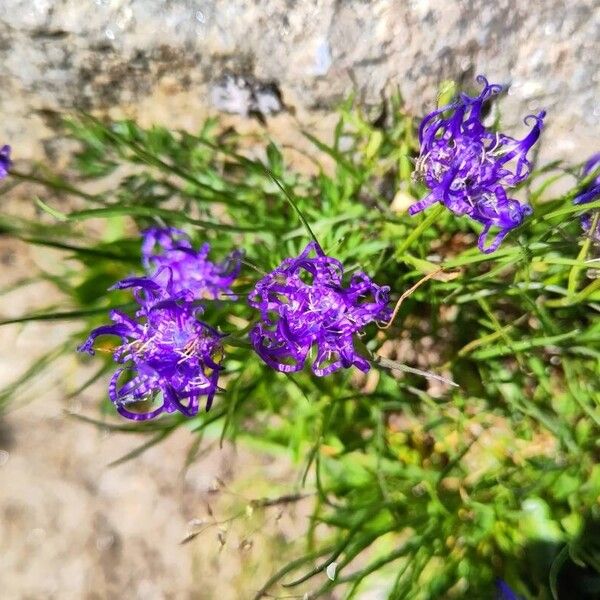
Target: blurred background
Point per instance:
(72, 527)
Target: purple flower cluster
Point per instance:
(5, 162)
(303, 305)
(590, 193)
(168, 359)
(468, 167)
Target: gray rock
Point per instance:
(242, 96)
(57, 55)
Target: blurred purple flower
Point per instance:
(169, 358)
(590, 193)
(5, 162)
(170, 260)
(504, 592)
(468, 168)
(303, 304)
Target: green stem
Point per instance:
(427, 222)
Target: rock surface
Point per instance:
(157, 60)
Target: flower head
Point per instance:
(468, 167)
(168, 358)
(170, 260)
(304, 304)
(590, 193)
(5, 162)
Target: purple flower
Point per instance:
(504, 591)
(590, 193)
(170, 260)
(5, 162)
(169, 359)
(302, 304)
(468, 167)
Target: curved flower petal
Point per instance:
(590, 193)
(5, 161)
